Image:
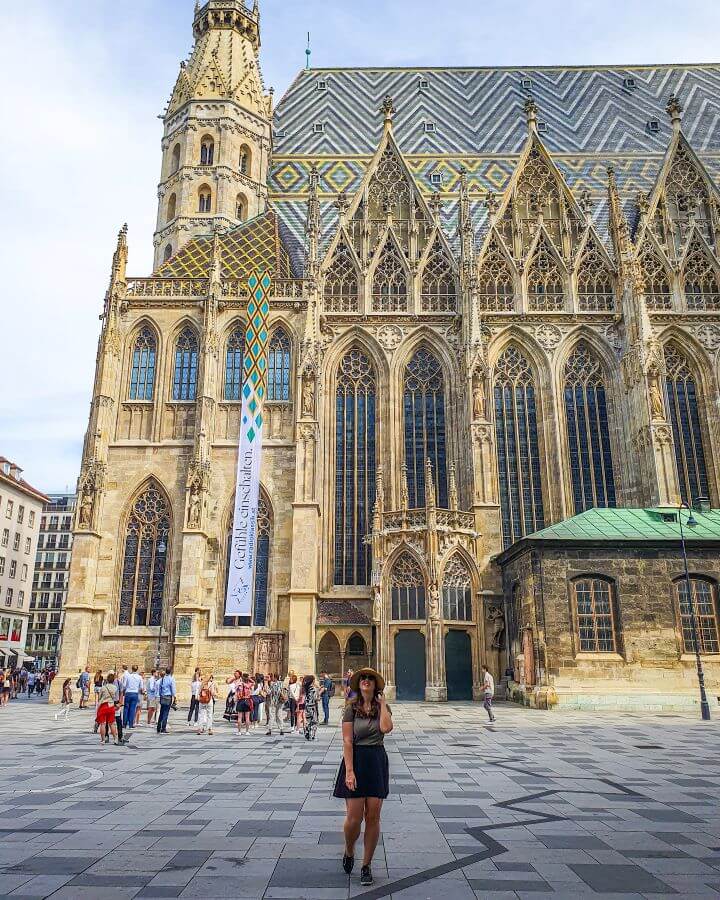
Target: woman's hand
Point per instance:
(350, 781)
(380, 699)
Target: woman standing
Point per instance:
(258, 699)
(194, 697)
(293, 700)
(207, 695)
(233, 683)
(243, 703)
(97, 685)
(363, 780)
(66, 701)
(310, 697)
(106, 710)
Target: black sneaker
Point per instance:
(348, 863)
(366, 878)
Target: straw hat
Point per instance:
(355, 680)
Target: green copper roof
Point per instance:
(632, 525)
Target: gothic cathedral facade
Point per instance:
(495, 306)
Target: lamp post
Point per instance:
(162, 547)
(692, 522)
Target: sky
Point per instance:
(85, 81)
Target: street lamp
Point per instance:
(162, 547)
(692, 523)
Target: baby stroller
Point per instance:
(311, 713)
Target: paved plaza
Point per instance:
(562, 804)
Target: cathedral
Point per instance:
(492, 382)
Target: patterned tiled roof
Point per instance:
(255, 244)
(336, 612)
(588, 118)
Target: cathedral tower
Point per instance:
(217, 136)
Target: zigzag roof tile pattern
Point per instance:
(590, 118)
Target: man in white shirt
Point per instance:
(488, 692)
(133, 689)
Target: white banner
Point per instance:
(239, 599)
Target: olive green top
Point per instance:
(366, 732)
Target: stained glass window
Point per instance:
(457, 594)
(262, 569)
(682, 403)
(278, 387)
(142, 376)
(586, 414)
(704, 600)
(424, 413)
(407, 589)
(518, 456)
(596, 626)
(144, 563)
(234, 364)
(186, 363)
(354, 467)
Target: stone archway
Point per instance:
(356, 652)
(328, 656)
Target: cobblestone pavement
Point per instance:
(563, 804)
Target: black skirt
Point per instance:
(372, 774)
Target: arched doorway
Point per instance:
(458, 665)
(356, 654)
(328, 656)
(410, 664)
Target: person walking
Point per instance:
(258, 700)
(293, 700)
(488, 693)
(167, 696)
(106, 710)
(233, 682)
(194, 697)
(142, 693)
(22, 680)
(327, 690)
(83, 683)
(151, 690)
(363, 779)
(97, 685)
(275, 702)
(310, 695)
(65, 701)
(131, 698)
(243, 703)
(5, 686)
(207, 695)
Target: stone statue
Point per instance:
(194, 506)
(496, 616)
(86, 507)
(434, 602)
(308, 397)
(478, 389)
(377, 604)
(657, 406)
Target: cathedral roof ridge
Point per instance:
(544, 67)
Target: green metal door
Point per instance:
(410, 665)
(458, 665)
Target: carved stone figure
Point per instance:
(478, 389)
(497, 619)
(657, 406)
(377, 603)
(86, 507)
(194, 506)
(308, 397)
(434, 602)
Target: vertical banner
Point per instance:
(239, 599)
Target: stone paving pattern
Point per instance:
(564, 804)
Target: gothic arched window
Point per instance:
(389, 286)
(424, 415)
(341, 282)
(207, 151)
(204, 199)
(456, 591)
(171, 208)
(438, 282)
(545, 281)
(244, 160)
(262, 569)
(234, 364)
(355, 466)
(142, 375)
(168, 253)
(682, 402)
(657, 284)
(145, 560)
(186, 363)
(407, 590)
(496, 286)
(278, 384)
(594, 283)
(687, 199)
(586, 414)
(700, 280)
(704, 599)
(175, 159)
(518, 455)
(241, 208)
(596, 620)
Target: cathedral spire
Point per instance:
(312, 224)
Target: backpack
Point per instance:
(331, 691)
(205, 695)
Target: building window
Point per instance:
(5, 537)
(704, 599)
(171, 208)
(681, 398)
(407, 590)
(168, 253)
(64, 541)
(234, 364)
(204, 199)
(389, 284)
(20, 599)
(142, 375)
(9, 509)
(144, 563)
(16, 540)
(438, 282)
(341, 282)
(279, 366)
(28, 544)
(586, 414)
(545, 281)
(595, 618)
(31, 518)
(186, 363)
(175, 165)
(207, 151)
(657, 284)
(355, 467)
(241, 208)
(262, 570)
(9, 597)
(21, 514)
(67, 523)
(13, 568)
(456, 591)
(245, 159)
(24, 572)
(518, 455)
(424, 415)
(594, 282)
(2, 565)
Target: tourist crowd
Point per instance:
(18, 681)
